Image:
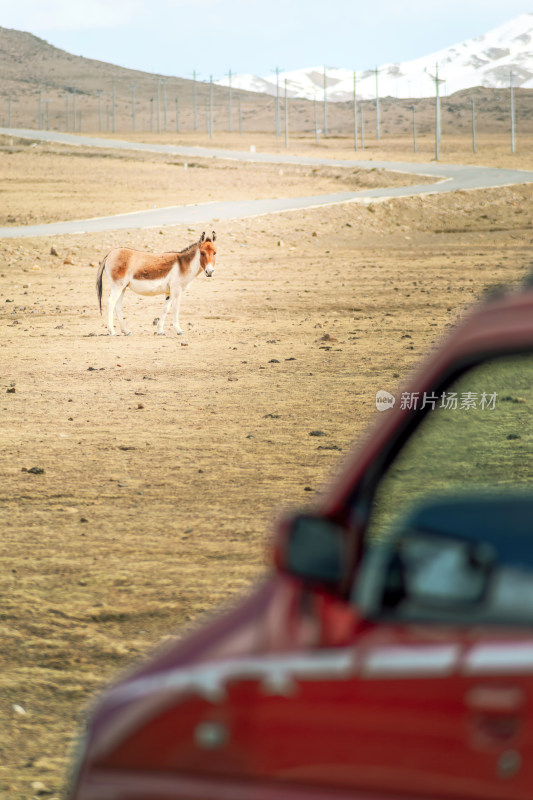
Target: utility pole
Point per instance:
(325, 105)
(74, 109)
(195, 102)
(114, 109)
(278, 122)
(512, 115)
(210, 106)
(316, 120)
(378, 127)
(415, 148)
(159, 105)
(474, 143)
(437, 113)
(177, 115)
(99, 92)
(151, 115)
(286, 116)
(66, 113)
(437, 109)
(230, 106)
(354, 111)
(133, 108)
(164, 104)
(240, 117)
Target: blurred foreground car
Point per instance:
(390, 653)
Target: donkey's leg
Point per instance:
(114, 295)
(162, 318)
(118, 308)
(176, 300)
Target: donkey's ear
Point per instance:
(214, 236)
(202, 237)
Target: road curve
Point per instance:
(449, 177)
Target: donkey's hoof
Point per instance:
(160, 333)
(179, 331)
(126, 333)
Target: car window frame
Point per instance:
(360, 500)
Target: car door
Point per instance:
(405, 709)
(444, 705)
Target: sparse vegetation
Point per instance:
(164, 465)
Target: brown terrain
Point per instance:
(141, 475)
(114, 181)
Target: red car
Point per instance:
(390, 652)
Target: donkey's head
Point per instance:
(207, 253)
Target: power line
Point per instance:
(99, 92)
(195, 102)
(230, 106)
(325, 105)
(437, 81)
(164, 104)
(159, 105)
(474, 143)
(278, 122)
(114, 108)
(210, 106)
(354, 111)
(378, 127)
(286, 116)
(133, 108)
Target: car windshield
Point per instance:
(461, 485)
(478, 434)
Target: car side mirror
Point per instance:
(314, 549)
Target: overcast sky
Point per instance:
(173, 37)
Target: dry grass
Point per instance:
(44, 182)
(493, 149)
(165, 460)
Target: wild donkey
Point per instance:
(148, 274)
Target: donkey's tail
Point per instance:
(99, 275)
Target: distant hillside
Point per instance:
(41, 83)
(30, 67)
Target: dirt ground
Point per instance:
(74, 182)
(163, 461)
(493, 149)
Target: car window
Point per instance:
(476, 441)
(478, 434)
(439, 570)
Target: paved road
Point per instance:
(450, 177)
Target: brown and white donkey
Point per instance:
(150, 274)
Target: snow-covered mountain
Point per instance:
(484, 61)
